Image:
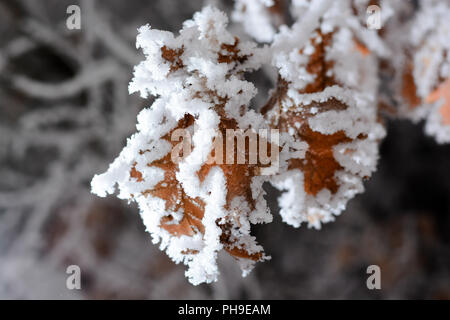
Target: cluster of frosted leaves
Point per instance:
(327, 98)
(193, 205)
(324, 107)
(423, 77)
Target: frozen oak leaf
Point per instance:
(423, 82)
(326, 97)
(191, 202)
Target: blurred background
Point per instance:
(65, 114)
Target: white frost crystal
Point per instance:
(256, 18)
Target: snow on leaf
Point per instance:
(442, 94)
